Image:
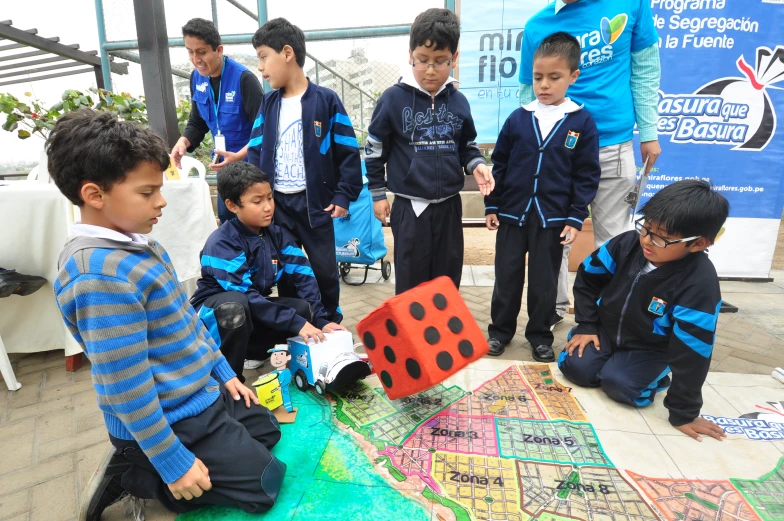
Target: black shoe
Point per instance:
(555, 320)
(12, 283)
(104, 489)
(543, 353)
(496, 347)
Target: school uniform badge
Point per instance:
(571, 139)
(657, 306)
(317, 128)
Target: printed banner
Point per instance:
(719, 103)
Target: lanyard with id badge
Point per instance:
(219, 139)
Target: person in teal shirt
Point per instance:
(618, 85)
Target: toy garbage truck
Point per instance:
(327, 366)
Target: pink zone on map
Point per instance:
(506, 396)
(467, 427)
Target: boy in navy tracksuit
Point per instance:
(304, 139)
(546, 169)
(647, 303)
(241, 262)
(422, 130)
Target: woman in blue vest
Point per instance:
(226, 98)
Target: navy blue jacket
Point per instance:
(557, 177)
(425, 142)
(333, 174)
(236, 259)
(234, 123)
(673, 309)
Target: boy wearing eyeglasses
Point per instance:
(646, 305)
(423, 133)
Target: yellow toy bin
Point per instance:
(268, 391)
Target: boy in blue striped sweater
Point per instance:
(240, 264)
(169, 397)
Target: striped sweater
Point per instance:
(153, 361)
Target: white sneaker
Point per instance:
(252, 364)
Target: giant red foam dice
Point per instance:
(417, 339)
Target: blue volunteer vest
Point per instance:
(234, 124)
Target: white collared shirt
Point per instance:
(549, 115)
(90, 230)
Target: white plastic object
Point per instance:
(6, 370)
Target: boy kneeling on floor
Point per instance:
(169, 398)
(646, 305)
(240, 264)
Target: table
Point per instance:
(36, 221)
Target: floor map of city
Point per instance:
(501, 441)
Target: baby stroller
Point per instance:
(359, 238)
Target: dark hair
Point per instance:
(562, 45)
(203, 30)
(98, 148)
(278, 33)
(237, 177)
(688, 208)
(440, 27)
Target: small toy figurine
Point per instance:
(279, 359)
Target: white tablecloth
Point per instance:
(35, 223)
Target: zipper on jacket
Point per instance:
(160, 259)
(625, 307)
(438, 159)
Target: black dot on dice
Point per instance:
(455, 325)
(439, 301)
(369, 340)
(391, 327)
(432, 336)
(466, 348)
(386, 379)
(444, 361)
(413, 369)
(417, 311)
(389, 354)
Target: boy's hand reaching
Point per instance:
(702, 426)
(336, 211)
(491, 221)
(193, 483)
(238, 391)
(310, 332)
(484, 178)
(381, 210)
(580, 342)
(570, 235)
(332, 327)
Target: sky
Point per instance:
(77, 24)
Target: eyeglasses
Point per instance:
(438, 66)
(658, 240)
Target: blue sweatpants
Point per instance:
(632, 377)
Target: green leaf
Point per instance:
(23, 134)
(67, 106)
(23, 107)
(138, 105)
(56, 108)
(65, 96)
(76, 102)
(84, 100)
